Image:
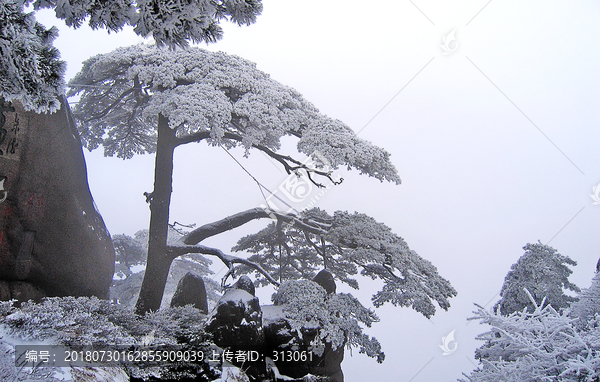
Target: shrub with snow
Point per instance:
(81, 321)
(337, 316)
(541, 345)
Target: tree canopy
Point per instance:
(354, 242)
(172, 23)
(217, 97)
(544, 273)
(30, 68)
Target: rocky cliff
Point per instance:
(53, 241)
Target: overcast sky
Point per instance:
(495, 136)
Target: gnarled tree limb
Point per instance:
(289, 164)
(241, 218)
(228, 260)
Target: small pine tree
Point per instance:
(544, 273)
(338, 316)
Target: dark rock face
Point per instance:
(236, 325)
(280, 338)
(244, 283)
(240, 323)
(53, 241)
(325, 279)
(237, 321)
(191, 290)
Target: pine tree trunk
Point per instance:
(158, 263)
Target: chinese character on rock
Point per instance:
(4, 106)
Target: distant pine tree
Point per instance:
(544, 273)
(537, 344)
(130, 261)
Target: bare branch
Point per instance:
(289, 164)
(196, 137)
(110, 107)
(175, 224)
(241, 218)
(228, 260)
(315, 246)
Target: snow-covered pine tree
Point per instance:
(337, 316)
(145, 99)
(539, 343)
(355, 242)
(536, 345)
(292, 249)
(544, 273)
(30, 69)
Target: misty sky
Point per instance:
(496, 141)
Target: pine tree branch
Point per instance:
(315, 246)
(196, 137)
(104, 112)
(241, 218)
(289, 164)
(228, 260)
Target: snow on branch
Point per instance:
(216, 97)
(289, 164)
(30, 67)
(172, 23)
(241, 218)
(353, 243)
(537, 344)
(309, 224)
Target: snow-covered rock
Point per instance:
(236, 320)
(236, 325)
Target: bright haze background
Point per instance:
(496, 143)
